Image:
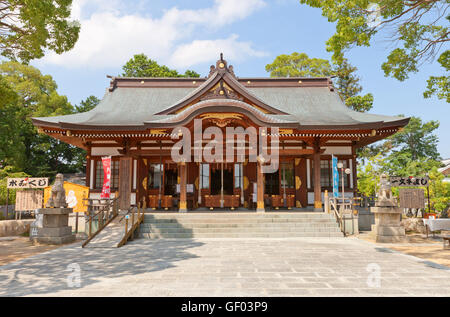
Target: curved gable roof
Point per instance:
(136, 103)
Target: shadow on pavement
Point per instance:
(49, 272)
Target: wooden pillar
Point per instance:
(88, 166)
(354, 170)
(260, 189)
(125, 182)
(301, 192)
(317, 188)
(183, 202)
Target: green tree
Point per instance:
(10, 142)
(348, 87)
(419, 29)
(439, 192)
(439, 85)
(369, 175)
(410, 152)
(86, 105)
(299, 65)
(345, 80)
(29, 27)
(5, 172)
(35, 154)
(417, 139)
(142, 66)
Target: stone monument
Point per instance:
(55, 217)
(387, 227)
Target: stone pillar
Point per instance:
(387, 227)
(317, 188)
(183, 202)
(260, 189)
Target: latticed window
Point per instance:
(155, 176)
(114, 175)
(287, 175)
(237, 176)
(345, 164)
(204, 177)
(325, 173)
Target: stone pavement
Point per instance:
(227, 267)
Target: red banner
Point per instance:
(106, 190)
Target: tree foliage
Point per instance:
(410, 152)
(6, 172)
(440, 85)
(345, 80)
(348, 87)
(417, 139)
(299, 65)
(439, 192)
(142, 66)
(33, 95)
(29, 27)
(86, 105)
(420, 29)
(369, 175)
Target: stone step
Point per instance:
(236, 230)
(240, 225)
(242, 220)
(238, 215)
(238, 235)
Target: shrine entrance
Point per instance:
(222, 176)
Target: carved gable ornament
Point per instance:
(222, 91)
(222, 119)
(222, 83)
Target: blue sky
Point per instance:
(250, 33)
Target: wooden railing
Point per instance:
(104, 210)
(132, 221)
(340, 206)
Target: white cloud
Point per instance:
(200, 51)
(108, 37)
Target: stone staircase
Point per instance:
(239, 225)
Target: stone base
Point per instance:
(390, 239)
(54, 232)
(388, 230)
(55, 228)
(55, 240)
(81, 236)
(387, 227)
(385, 234)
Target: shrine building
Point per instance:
(139, 120)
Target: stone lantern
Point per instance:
(387, 227)
(55, 217)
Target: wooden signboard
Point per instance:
(27, 182)
(397, 181)
(412, 198)
(29, 200)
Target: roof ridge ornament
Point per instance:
(221, 67)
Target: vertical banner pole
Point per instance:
(7, 202)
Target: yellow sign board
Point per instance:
(75, 195)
